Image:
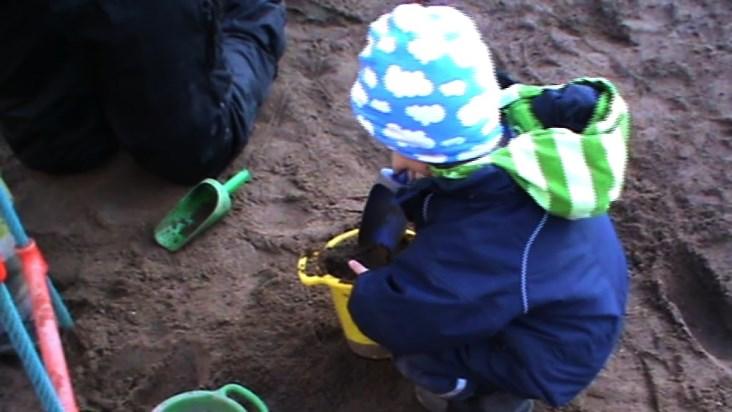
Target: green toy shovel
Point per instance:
(203, 206)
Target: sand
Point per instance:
(229, 307)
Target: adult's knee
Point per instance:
(61, 149)
(191, 150)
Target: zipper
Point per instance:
(425, 206)
(210, 15)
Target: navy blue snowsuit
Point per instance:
(494, 293)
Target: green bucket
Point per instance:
(227, 399)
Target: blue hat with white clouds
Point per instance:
(426, 86)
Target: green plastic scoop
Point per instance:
(203, 206)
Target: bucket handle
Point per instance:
(324, 279)
(305, 278)
(312, 280)
(245, 394)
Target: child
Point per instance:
(515, 285)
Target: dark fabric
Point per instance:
(50, 112)
(428, 372)
(177, 83)
(504, 79)
(570, 107)
(458, 291)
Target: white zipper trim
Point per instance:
(525, 261)
(460, 385)
(425, 206)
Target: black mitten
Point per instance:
(570, 107)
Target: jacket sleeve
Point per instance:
(430, 299)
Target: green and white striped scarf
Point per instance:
(571, 175)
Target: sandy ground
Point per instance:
(229, 308)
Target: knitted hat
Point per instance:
(426, 87)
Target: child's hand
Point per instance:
(391, 180)
(357, 267)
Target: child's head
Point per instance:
(426, 87)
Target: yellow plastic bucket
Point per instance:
(340, 292)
